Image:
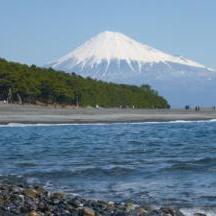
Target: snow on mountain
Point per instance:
(112, 56)
(113, 45)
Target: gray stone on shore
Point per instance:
(36, 201)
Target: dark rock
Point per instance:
(165, 212)
(168, 211)
(75, 203)
(30, 204)
(171, 212)
(42, 206)
(24, 209)
(199, 214)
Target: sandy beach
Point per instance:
(48, 114)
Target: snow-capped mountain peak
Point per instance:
(116, 46)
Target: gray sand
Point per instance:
(43, 114)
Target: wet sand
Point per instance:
(51, 115)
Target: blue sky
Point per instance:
(38, 31)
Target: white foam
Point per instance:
(107, 123)
(192, 211)
(52, 125)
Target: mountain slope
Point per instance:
(112, 56)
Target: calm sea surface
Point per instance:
(162, 163)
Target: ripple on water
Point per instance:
(159, 162)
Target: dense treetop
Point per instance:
(31, 84)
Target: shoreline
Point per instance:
(17, 124)
(31, 114)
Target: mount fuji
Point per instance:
(114, 57)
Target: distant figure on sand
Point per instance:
(187, 107)
(197, 108)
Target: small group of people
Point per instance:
(187, 107)
(197, 108)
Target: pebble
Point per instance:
(30, 192)
(141, 212)
(36, 201)
(88, 211)
(33, 213)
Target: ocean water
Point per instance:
(171, 163)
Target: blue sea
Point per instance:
(172, 163)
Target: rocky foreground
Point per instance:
(37, 201)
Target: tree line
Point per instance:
(32, 84)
